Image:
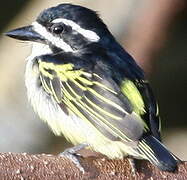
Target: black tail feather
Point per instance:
(157, 153)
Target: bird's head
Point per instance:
(65, 27)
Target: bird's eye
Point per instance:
(57, 28)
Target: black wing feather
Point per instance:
(93, 96)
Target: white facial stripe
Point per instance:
(54, 40)
(90, 35)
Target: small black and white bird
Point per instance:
(88, 88)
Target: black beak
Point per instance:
(26, 34)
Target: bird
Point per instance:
(88, 88)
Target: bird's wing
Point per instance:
(135, 85)
(95, 99)
(152, 116)
(144, 103)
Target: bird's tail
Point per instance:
(157, 154)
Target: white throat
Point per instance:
(39, 49)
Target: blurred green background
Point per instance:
(154, 32)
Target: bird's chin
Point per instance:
(39, 49)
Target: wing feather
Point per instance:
(92, 99)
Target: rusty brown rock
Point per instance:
(49, 167)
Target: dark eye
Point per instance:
(57, 28)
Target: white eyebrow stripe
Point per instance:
(90, 35)
(48, 36)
